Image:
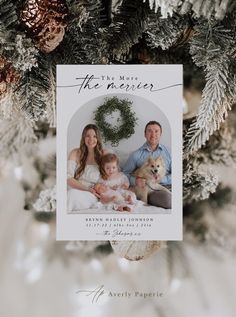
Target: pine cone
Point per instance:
(44, 21)
(3, 88)
(2, 62)
(8, 76)
(50, 36)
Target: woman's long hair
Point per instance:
(98, 150)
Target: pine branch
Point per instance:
(7, 105)
(79, 48)
(165, 32)
(28, 97)
(106, 13)
(207, 8)
(115, 5)
(98, 11)
(127, 27)
(51, 100)
(78, 14)
(209, 223)
(221, 147)
(167, 7)
(46, 201)
(25, 54)
(32, 91)
(214, 106)
(16, 136)
(198, 184)
(19, 49)
(200, 8)
(8, 13)
(7, 41)
(211, 49)
(84, 44)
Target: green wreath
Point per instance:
(126, 121)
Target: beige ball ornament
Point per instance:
(136, 250)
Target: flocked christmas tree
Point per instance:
(35, 35)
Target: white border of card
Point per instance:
(158, 84)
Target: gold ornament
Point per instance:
(8, 76)
(44, 21)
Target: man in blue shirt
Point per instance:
(153, 148)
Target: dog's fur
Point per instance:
(153, 170)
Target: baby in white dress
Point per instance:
(113, 185)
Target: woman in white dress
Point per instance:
(83, 171)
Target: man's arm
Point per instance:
(167, 180)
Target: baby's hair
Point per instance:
(107, 158)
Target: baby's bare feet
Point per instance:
(126, 208)
(129, 200)
(123, 208)
(120, 208)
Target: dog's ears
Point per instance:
(160, 158)
(149, 159)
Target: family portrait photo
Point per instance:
(126, 171)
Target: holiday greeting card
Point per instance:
(119, 152)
